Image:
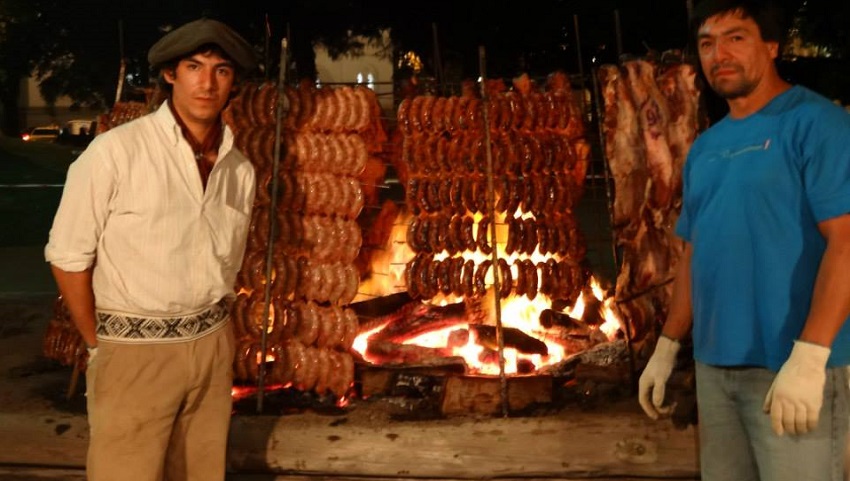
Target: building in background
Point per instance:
(36, 111)
(373, 67)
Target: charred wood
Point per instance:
(617, 373)
(458, 338)
(394, 352)
(550, 318)
(380, 310)
(525, 366)
(513, 337)
(602, 354)
(592, 314)
(420, 318)
(381, 380)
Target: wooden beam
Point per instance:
(612, 441)
(27, 473)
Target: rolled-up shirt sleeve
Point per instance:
(83, 211)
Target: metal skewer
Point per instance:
(491, 211)
(278, 148)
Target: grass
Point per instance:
(34, 162)
(31, 179)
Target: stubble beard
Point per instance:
(730, 89)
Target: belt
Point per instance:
(124, 328)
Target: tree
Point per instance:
(75, 48)
(18, 28)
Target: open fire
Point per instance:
(486, 253)
(536, 333)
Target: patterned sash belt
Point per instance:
(123, 328)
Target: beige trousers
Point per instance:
(160, 412)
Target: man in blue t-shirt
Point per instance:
(764, 282)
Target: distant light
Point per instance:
(359, 77)
(370, 79)
(412, 61)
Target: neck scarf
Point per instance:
(210, 144)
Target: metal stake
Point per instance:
(272, 221)
(580, 63)
(491, 211)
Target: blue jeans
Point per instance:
(736, 439)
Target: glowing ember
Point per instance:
(239, 393)
(517, 312)
(362, 340)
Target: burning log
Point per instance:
(381, 306)
(513, 337)
(591, 316)
(571, 333)
(420, 319)
(572, 343)
(549, 318)
(602, 354)
(395, 352)
(458, 338)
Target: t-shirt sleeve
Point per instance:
(827, 164)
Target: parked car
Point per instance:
(77, 133)
(80, 127)
(45, 133)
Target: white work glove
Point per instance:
(655, 376)
(796, 395)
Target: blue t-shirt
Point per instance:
(754, 190)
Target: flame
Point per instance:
(388, 264)
(362, 341)
(613, 323)
(521, 313)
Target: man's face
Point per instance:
(733, 55)
(201, 86)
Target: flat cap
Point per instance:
(192, 35)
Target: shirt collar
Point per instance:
(166, 120)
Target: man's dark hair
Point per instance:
(171, 65)
(767, 14)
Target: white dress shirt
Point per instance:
(134, 207)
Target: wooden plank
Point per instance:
(31, 473)
(609, 442)
(333, 477)
(40, 473)
(482, 395)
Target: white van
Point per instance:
(79, 127)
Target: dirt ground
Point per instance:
(30, 381)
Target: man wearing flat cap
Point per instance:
(145, 248)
